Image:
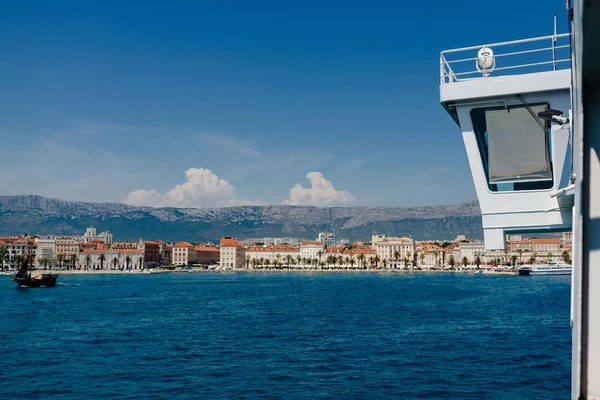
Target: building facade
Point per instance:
(394, 249)
(67, 251)
(312, 250)
(269, 255)
(183, 253)
(232, 254)
(46, 251)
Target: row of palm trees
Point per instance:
(331, 261)
(47, 263)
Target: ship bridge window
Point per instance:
(515, 150)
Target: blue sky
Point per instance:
(223, 103)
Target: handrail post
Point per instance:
(442, 72)
(554, 44)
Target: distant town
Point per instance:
(98, 252)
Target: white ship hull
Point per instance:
(547, 269)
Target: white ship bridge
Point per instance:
(511, 101)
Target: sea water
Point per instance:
(287, 336)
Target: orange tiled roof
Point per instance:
(359, 250)
(183, 244)
(536, 241)
(229, 242)
(275, 248)
(204, 248)
(334, 249)
(313, 243)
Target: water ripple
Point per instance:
(292, 336)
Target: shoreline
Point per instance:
(301, 271)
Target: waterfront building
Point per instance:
(232, 254)
(130, 259)
(46, 251)
(128, 245)
(395, 249)
(537, 245)
(328, 238)
(360, 256)
(16, 246)
(207, 255)
(472, 250)
(311, 250)
(183, 253)
(165, 253)
(110, 259)
(151, 250)
(67, 251)
(92, 259)
(281, 254)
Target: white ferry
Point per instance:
(551, 268)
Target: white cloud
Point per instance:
(321, 193)
(202, 189)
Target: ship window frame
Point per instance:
(478, 120)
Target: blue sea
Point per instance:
(287, 336)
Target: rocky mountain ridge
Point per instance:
(41, 215)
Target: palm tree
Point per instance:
(73, 258)
(288, 259)
(127, 261)
(506, 255)
(520, 251)
(361, 260)
(60, 258)
(299, 260)
(261, 261)
(451, 260)
(319, 254)
(352, 262)
(422, 257)
(405, 262)
(88, 261)
(115, 262)
(465, 262)
(396, 257)
(102, 259)
(247, 261)
(3, 255)
(565, 256)
(278, 257)
(409, 255)
(513, 259)
(550, 256)
(141, 262)
(533, 257)
(45, 261)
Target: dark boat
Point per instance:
(25, 278)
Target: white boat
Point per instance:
(551, 268)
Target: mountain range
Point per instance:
(44, 216)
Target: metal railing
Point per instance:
(510, 58)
